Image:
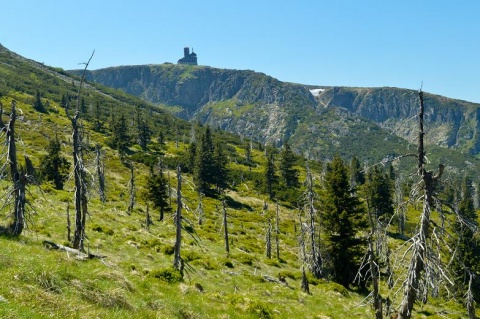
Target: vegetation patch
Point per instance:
(108, 298)
(245, 259)
(169, 275)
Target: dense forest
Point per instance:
(113, 208)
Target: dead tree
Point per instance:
(277, 230)
(69, 230)
(469, 297)
(375, 274)
(177, 261)
(400, 205)
(420, 247)
(303, 254)
(305, 286)
(372, 263)
(131, 183)
(148, 220)
(268, 242)
(100, 165)
(2, 125)
(200, 212)
(314, 257)
(80, 178)
(225, 227)
(19, 178)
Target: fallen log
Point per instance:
(79, 254)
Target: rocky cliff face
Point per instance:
(245, 102)
(256, 105)
(450, 123)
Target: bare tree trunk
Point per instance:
(225, 227)
(377, 299)
(148, 221)
(100, 173)
(316, 259)
(177, 262)
(420, 244)
(268, 242)
(303, 252)
(305, 285)
(80, 187)
(81, 207)
(399, 205)
(372, 262)
(200, 211)
(132, 190)
(469, 298)
(69, 230)
(19, 179)
(2, 125)
(169, 190)
(277, 231)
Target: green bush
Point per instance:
(168, 250)
(333, 286)
(272, 262)
(228, 263)
(289, 274)
(245, 259)
(206, 264)
(102, 229)
(169, 275)
(189, 255)
(261, 309)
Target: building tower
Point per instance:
(188, 58)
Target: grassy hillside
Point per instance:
(133, 280)
(136, 278)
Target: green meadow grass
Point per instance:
(136, 278)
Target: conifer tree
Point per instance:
(98, 125)
(83, 108)
(467, 263)
(203, 171)
(64, 101)
(191, 157)
(378, 190)
(271, 178)
(144, 134)
(287, 161)
(54, 167)
(220, 161)
(120, 138)
(157, 190)
(357, 176)
(38, 104)
(344, 219)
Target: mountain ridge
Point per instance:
(259, 106)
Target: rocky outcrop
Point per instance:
(256, 105)
(450, 123)
(245, 102)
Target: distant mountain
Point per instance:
(318, 121)
(451, 123)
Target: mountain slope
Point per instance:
(136, 279)
(451, 123)
(371, 123)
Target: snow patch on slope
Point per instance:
(316, 92)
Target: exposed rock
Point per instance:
(270, 111)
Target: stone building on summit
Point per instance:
(188, 58)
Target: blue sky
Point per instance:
(351, 43)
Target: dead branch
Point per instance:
(79, 254)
